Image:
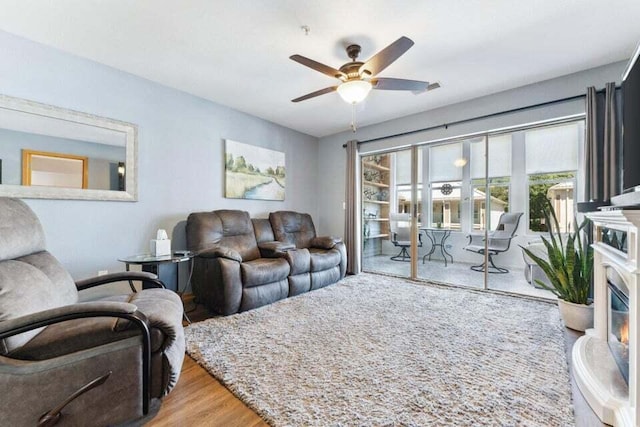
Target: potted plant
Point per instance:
(568, 267)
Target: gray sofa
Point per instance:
(245, 263)
(317, 261)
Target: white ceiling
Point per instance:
(236, 52)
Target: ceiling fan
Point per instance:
(358, 78)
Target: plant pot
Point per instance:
(578, 317)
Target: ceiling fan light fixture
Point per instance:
(354, 91)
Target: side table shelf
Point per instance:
(162, 266)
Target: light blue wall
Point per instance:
(181, 155)
(332, 155)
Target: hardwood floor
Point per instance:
(200, 400)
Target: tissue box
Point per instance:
(160, 247)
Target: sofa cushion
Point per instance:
(257, 296)
(232, 229)
(320, 279)
(322, 259)
(299, 260)
(263, 230)
(264, 270)
(293, 227)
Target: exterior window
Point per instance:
(498, 202)
(446, 164)
(445, 202)
(499, 173)
(559, 189)
(551, 166)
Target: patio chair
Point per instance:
(499, 241)
(400, 225)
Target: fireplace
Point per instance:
(618, 322)
(606, 359)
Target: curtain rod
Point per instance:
(472, 119)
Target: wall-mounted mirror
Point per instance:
(54, 153)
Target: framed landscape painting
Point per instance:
(253, 172)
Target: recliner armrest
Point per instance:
(325, 242)
(220, 252)
(67, 312)
(145, 277)
(124, 310)
(275, 249)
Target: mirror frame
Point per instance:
(130, 131)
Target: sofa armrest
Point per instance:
(325, 242)
(220, 252)
(275, 249)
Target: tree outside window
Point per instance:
(558, 188)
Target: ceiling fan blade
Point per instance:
(386, 56)
(383, 83)
(316, 93)
(324, 69)
(433, 86)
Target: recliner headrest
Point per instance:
(20, 230)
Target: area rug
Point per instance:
(379, 351)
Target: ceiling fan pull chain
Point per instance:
(353, 118)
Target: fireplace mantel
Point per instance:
(595, 369)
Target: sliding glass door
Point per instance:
(386, 213)
(447, 202)
(542, 175)
(459, 211)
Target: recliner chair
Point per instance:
(326, 261)
(231, 273)
(80, 363)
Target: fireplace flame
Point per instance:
(624, 333)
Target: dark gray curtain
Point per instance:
(603, 162)
(352, 213)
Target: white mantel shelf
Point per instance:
(595, 370)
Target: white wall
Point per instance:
(332, 155)
(180, 148)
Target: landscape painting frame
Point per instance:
(253, 172)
